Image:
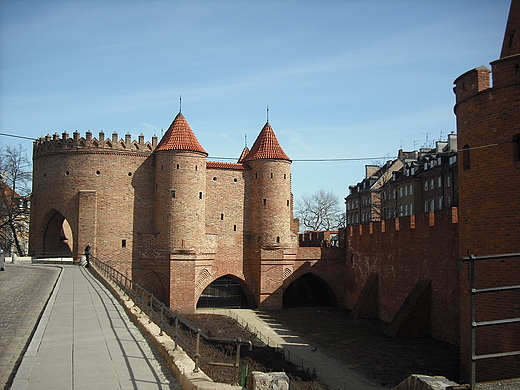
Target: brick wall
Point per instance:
(403, 251)
(488, 119)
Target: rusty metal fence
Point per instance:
(473, 292)
(181, 331)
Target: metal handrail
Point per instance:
(163, 317)
(473, 323)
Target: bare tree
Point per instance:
(320, 211)
(15, 180)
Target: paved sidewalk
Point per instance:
(86, 341)
(24, 291)
(328, 370)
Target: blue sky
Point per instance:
(342, 79)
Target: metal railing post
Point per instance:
(197, 354)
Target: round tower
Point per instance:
(270, 196)
(488, 126)
(180, 183)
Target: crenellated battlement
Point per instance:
(50, 144)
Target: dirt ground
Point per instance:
(360, 344)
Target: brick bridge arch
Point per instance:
(308, 290)
(227, 291)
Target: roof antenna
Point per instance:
(267, 114)
(245, 140)
(180, 103)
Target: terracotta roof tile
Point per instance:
(266, 146)
(179, 136)
(225, 165)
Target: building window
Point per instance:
(516, 147)
(439, 182)
(448, 202)
(426, 206)
(432, 184)
(426, 186)
(432, 205)
(439, 203)
(410, 191)
(448, 181)
(466, 158)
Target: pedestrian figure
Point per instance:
(87, 255)
(2, 260)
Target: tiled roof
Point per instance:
(225, 165)
(180, 137)
(243, 155)
(266, 146)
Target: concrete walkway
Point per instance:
(329, 371)
(85, 340)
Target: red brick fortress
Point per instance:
(488, 126)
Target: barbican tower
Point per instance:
(488, 126)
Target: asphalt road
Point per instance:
(24, 290)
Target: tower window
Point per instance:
(272, 175)
(214, 179)
(278, 240)
(172, 193)
(288, 203)
(466, 161)
(178, 166)
(222, 217)
(123, 243)
(200, 195)
(516, 147)
(284, 176)
(234, 228)
(265, 202)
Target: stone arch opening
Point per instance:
(58, 239)
(309, 290)
(156, 283)
(224, 292)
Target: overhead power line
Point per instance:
(17, 136)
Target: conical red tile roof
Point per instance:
(266, 146)
(179, 136)
(243, 155)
